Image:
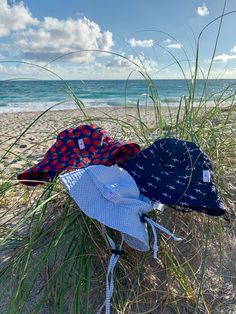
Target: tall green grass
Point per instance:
(56, 257)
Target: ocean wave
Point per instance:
(16, 96)
(34, 106)
(97, 103)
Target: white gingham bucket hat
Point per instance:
(111, 196)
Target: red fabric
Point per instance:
(66, 154)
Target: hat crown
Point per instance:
(114, 183)
(177, 154)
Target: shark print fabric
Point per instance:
(176, 173)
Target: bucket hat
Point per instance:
(111, 196)
(77, 148)
(176, 173)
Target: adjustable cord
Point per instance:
(154, 225)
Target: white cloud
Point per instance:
(129, 62)
(119, 62)
(97, 70)
(14, 17)
(224, 57)
(141, 43)
(68, 72)
(202, 10)
(174, 46)
(167, 41)
(53, 38)
(233, 49)
(223, 73)
(93, 70)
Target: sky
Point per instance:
(74, 39)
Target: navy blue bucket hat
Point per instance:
(178, 174)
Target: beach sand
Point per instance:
(33, 144)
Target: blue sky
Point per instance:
(39, 32)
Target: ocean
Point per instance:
(19, 95)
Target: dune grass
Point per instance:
(54, 258)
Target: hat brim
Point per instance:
(123, 217)
(207, 203)
(119, 152)
(108, 155)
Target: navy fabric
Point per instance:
(176, 173)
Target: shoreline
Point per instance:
(70, 109)
(41, 107)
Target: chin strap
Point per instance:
(116, 252)
(110, 271)
(154, 225)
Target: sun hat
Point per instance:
(111, 196)
(77, 148)
(178, 174)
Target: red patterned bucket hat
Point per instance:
(77, 148)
